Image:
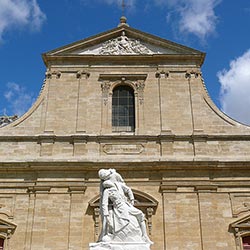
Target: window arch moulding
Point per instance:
(110, 81)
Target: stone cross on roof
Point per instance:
(123, 19)
(123, 7)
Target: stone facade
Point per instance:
(187, 162)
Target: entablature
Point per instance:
(126, 137)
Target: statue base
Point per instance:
(119, 246)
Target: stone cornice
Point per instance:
(124, 137)
(114, 33)
(91, 164)
(122, 77)
(185, 59)
(180, 186)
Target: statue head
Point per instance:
(104, 174)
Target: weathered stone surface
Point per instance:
(187, 163)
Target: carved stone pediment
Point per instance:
(7, 228)
(123, 45)
(121, 41)
(241, 225)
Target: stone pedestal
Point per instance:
(119, 246)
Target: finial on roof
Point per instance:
(123, 21)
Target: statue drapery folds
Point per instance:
(121, 221)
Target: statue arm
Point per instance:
(104, 213)
(105, 203)
(127, 190)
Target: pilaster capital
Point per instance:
(192, 74)
(140, 85)
(82, 74)
(105, 86)
(162, 74)
(53, 74)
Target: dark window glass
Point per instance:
(123, 109)
(246, 243)
(1, 243)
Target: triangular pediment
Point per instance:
(123, 40)
(241, 223)
(123, 45)
(6, 226)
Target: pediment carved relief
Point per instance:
(124, 46)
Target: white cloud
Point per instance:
(235, 88)
(18, 99)
(20, 13)
(194, 16)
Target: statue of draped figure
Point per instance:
(121, 221)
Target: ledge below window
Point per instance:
(123, 129)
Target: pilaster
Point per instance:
(163, 95)
(81, 116)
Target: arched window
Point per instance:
(123, 109)
(246, 243)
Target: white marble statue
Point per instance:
(123, 224)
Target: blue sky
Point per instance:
(220, 28)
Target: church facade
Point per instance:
(131, 101)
